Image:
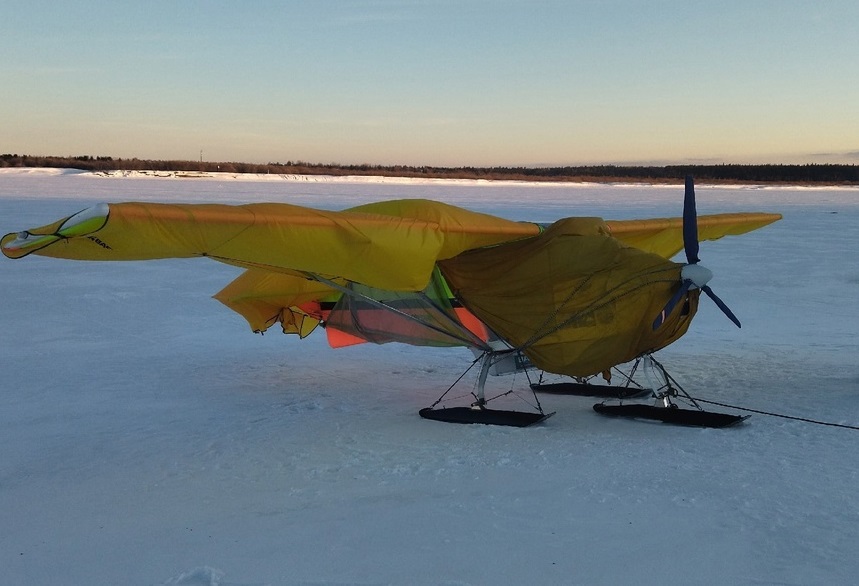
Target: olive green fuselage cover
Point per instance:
(576, 300)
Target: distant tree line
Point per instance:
(795, 174)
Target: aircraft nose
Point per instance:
(698, 275)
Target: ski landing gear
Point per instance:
(584, 387)
(478, 412)
(665, 390)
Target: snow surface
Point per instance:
(148, 437)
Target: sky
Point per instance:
(445, 82)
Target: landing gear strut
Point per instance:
(665, 390)
(478, 412)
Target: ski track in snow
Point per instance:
(149, 438)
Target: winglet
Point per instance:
(92, 219)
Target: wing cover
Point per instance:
(664, 236)
(376, 248)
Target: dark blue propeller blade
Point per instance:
(690, 245)
(669, 307)
(721, 304)
(690, 223)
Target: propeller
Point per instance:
(692, 275)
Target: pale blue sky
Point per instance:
(459, 82)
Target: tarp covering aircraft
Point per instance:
(576, 297)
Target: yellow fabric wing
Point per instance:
(664, 236)
(377, 248)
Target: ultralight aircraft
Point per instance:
(576, 298)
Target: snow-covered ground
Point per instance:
(148, 437)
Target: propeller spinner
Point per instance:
(692, 275)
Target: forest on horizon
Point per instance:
(770, 173)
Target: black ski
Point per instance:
(485, 416)
(673, 415)
(589, 390)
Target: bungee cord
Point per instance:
(771, 414)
